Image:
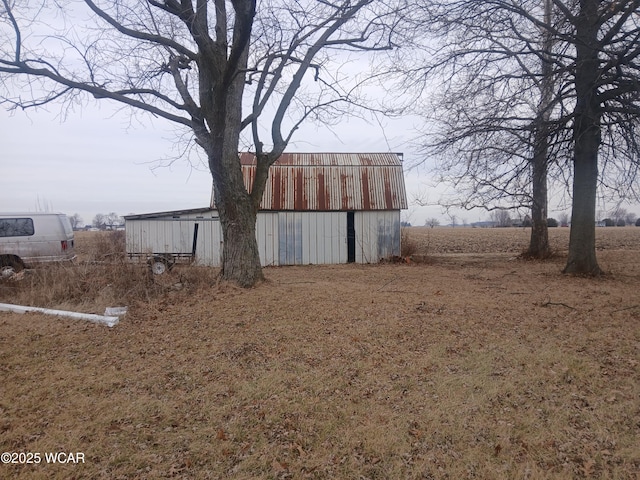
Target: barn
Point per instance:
(317, 208)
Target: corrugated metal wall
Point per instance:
(284, 238)
(267, 237)
(209, 247)
(312, 238)
(166, 234)
(158, 235)
(377, 235)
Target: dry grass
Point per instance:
(408, 244)
(103, 246)
(475, 366)
(101, 277)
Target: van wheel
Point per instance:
(9, 267)
(159, 265)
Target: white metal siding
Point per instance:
(165, 234)
(209, 246)
(175, 236)
(290, 238)
(377, 235)
(284, 238)
(267, 237)
(312, 238)
(159, 236)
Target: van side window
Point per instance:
(16, 227)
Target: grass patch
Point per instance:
(444, 371)
(101, 277)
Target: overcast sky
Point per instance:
(99, 160)
(96, 159)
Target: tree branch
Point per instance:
(97, 92)
(157, 39)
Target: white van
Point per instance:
(30, 238)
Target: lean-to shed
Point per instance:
(317, 208)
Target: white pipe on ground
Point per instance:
(108, 321)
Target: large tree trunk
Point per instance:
(222, 94)
(240, 255)
(582, 240)
(539, 242)
(586, 135)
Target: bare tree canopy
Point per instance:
(481, 89)
(606, 116)
(219, 69)
(76, 221)
(516, 81)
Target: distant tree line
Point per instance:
(620, 217)
(110, 221)
(617, 217)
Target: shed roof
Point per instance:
(170, 213)
(330, 181)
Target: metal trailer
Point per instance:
(166, 238)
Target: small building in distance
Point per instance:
(317, 208)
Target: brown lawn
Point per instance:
(473, 365)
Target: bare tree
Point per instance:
(501, 218)
(607, 101)
(100, 221)
(564, 218)
(432, 222)
(75, 220)
(529, 89)
(539, 246)
(492, 123)
(491, 118)
(113, 220)
(630, 218)
(620, 216)
(198, 64)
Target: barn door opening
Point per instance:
(194, 245)
(351, 237)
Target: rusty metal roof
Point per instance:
(331, 181)
(330, 159)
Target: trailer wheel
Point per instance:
(9, 267)
(159, 265)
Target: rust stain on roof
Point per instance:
(322, 193)
(366, 200)
(299, 190)
(331, 181)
